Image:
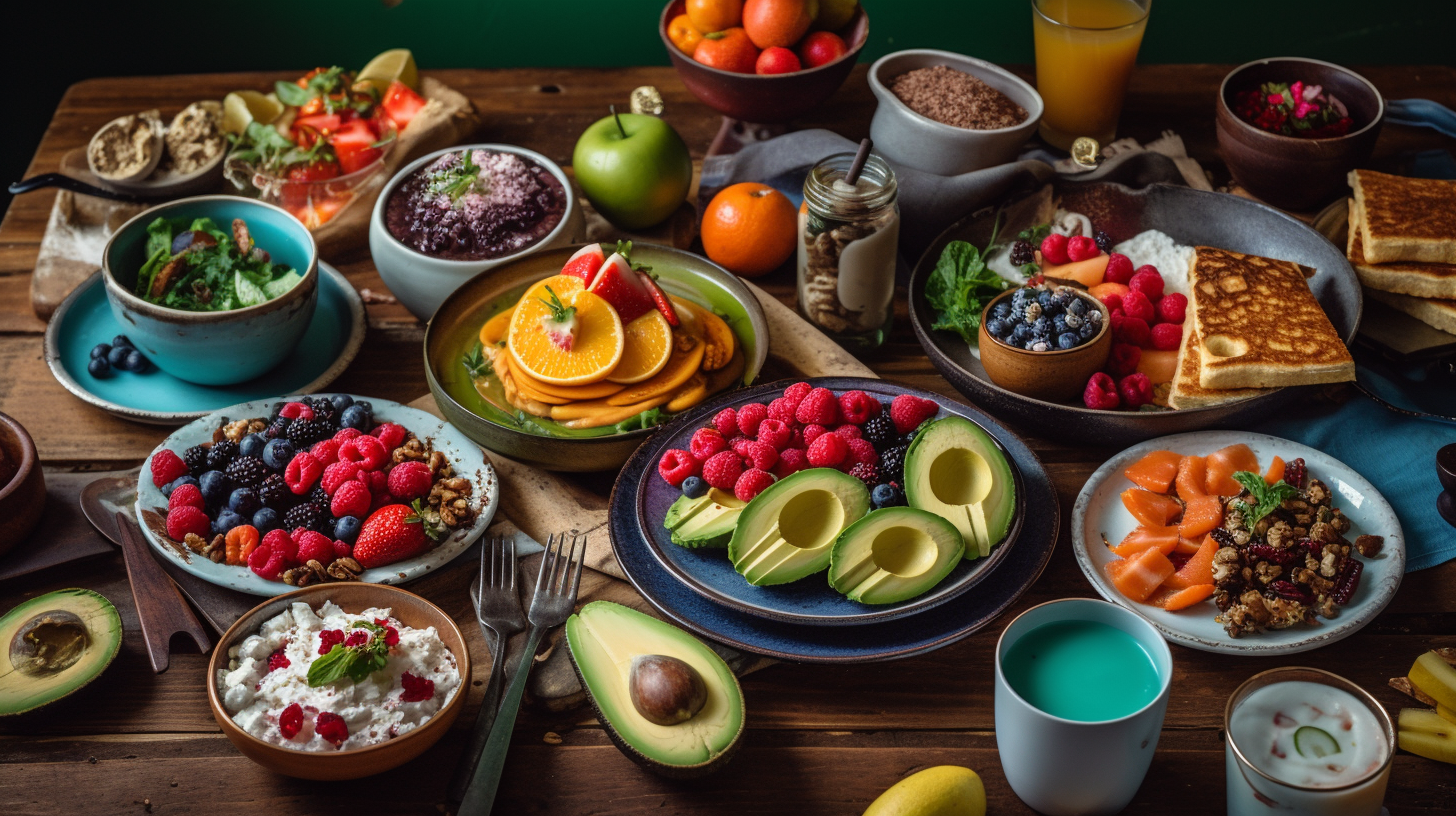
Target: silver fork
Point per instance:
(498, 611)
(551, 605)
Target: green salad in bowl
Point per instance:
(195, 266)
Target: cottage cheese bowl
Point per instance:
(349, 727)
(440, 222)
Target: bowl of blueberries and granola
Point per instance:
(1044, 341)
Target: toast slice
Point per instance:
(1187, 392)
(1422, 280)
(1259, 325)
(1438, 313)
(1405, 219)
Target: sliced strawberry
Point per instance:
(620, 285)
(661, 301)
(401, 104)
(353, 144)
(585, 263)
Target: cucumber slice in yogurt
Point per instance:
(1314, 743)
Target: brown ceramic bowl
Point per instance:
(410, 609)
(764, 99)
(1287, 171)
(22, 485)
(1054, 376)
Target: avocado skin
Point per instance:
(104, 631)
(880, 520)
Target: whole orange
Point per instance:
(715, 15)
(729, 50)
(750, 228)
(778, 22)
(684, 34)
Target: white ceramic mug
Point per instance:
(1064, 767)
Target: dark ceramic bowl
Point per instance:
(1287, 171)
(1056, 376)
(1191, 217)
(22, 485)
(764, 99)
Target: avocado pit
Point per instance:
(48, 643)
(665, 690)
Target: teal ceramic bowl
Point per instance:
(215, 348)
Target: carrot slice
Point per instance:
(1144, 537)
(1152, 509)
(1223, 464)
(1275, 474)
(1139, 576)
(1192, 473)
(1176, 599)
(1200, 516)
(1154, 471)
(1197, 570)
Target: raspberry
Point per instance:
(741, 447)
(290, 720)
(908, 411)
(751, 483)
(325, 451)
(1113, 301)
(416, 689)
(857, 407)
(1124, 359)
(390, 435)
(1173, 307)
(391, 634)
(818, 408)
(796, 438)
(676, 465)
(369, 452)
(749, 416)
(186, 495)
(187, 519)
(1167, 336)
(762, 455)
(280, 543)
(1148, 282)
(378, 483)
(849, 432)
(828, 450)
(1082, 248)
(296, 410)
(791, 460)
(302, 473)
(266, 562)
(1135, 304)
(726, 421)
(1136, 390)
(813, 432)
(278, 659)
(865, 472)
(328, 639)
(795, 393)
(343, 549)
(1295, 471)
(407, 481)
(774, 432)
(167, 466)
(1119, 269)
(314, 546)
(1054, 249)
(1101, 393)
(705, 443)
(782, 409)
(345, 434)
(723, 470)
(338, 473)
(358, 637)
(354, 499)
(1131, 330)
(331, 727)
(862, 452)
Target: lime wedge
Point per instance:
(242, 107)
(279, 285)
(1314, 743)
(394, 64)
(249, 293)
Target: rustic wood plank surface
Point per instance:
(822, 740)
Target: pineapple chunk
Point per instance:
(1425, 733)
(1446, 713)
(1435, 677)
(1426, 721)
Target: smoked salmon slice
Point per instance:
(1275, 475)
(1200, 516)
(1186, 546)
(1149, 508)
(1223, 464)
(1196, 570)
(1192, 473)
(1163, 539)
(1176, 599)
(1155, 471)
(1139, 576)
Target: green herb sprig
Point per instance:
(354, 662)
(458, 179)
(560, 312)
(1267, 497)
(476, 363)
(960, 285)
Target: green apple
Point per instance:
(634, 167)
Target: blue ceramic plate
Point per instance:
(156, 397)
(952, 620)
(812, 601)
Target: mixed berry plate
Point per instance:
(1099, 514)
(464, 456)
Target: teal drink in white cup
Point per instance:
(1081, 689)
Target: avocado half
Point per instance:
(53, 645)
(787, 531)
(604, 639)
(705, 522)
(893, 555)
(955, 470)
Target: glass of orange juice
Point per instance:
(1085, 50)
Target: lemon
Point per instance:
(945, 790)
(242, 107)
(394, 64)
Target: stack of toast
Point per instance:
(1253, 324)
(1402, 243)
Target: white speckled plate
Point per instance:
(1098, 512)
(464, 455)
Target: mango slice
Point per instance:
(694, 391)
(596, 414)
(494, 329)
(729, 375)
(687, 358)
(720, 339)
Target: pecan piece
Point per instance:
(1369, 545)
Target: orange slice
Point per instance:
(595, 351)
(687, 358)
(714, 331)
(645, 349)
(568, 393)
(494, 329)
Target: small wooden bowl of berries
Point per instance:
(1044, 341)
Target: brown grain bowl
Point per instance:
(22, 484)
(1054, 376)
(411, 610)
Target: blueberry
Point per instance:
(694, 486)
(1041, 327)
(346, 528)
(1001, 310)
(368, 406)
(244, 501)
(100, 350)
(133, 361)
(1046, 298)
(341, 401)
(266, 519)
(1068, 340)
(226, 520)
(357, 416)
(278, 453)
(886, 495)
(1060, 325)
(1073, 321)
(121, 340)
(252, 445)
(117, 355)
(1088, 331)
(1064, 296)
(214, 486)
(176, 483)
(1021, 333)
(1077, 307)
(998, 327)
(99, 367)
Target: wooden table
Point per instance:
(821, 740)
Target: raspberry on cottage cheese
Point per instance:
(268, 672)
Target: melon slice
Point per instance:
(1160, 366)
(1088, 273)
(1223, 464)
(1164, 539)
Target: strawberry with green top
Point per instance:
(395, 532)
(560, 325)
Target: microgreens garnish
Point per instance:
(560, 312)
(320, 85)
(1267, 497)
(354, 662)
(457, 179)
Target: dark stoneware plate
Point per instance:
(1190, 217)
(811, 600)
(956, 618)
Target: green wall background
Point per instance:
(172, 37)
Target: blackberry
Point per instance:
(1022, 253)
(247, 471)
(275, 493)
(880, 431)
(1104, 241)
(865, 472)
(277, 428)
(221, 454)
(892, 464)
(323, 411)
(196, 459)
(305, 515)
(305, 432)
(319, 497)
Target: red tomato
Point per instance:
(309, 129)
(401, 104)
(315, 171)
(352, 144)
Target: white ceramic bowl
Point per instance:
(422, 282)
(910, 139)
